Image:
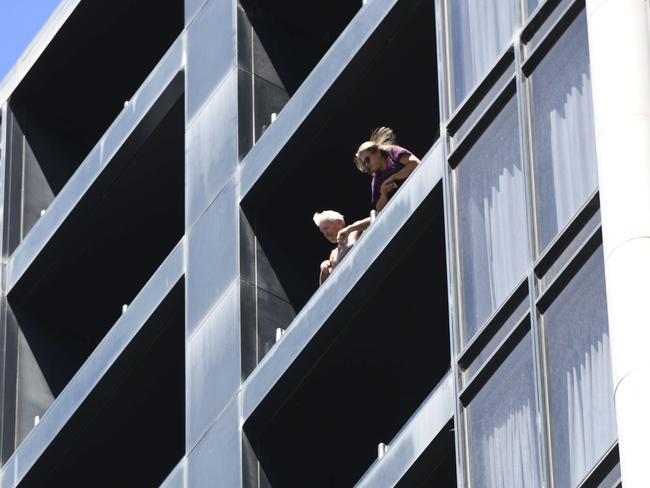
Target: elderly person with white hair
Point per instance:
(330, 224)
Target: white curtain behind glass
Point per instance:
(573, 156)
(591, 410)
(502, 428)
(583, 421)
(511, 452)
(493, 219)
(503, 207)
(485, 28)
(563, 131)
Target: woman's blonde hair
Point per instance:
(381, 139)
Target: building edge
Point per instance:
(619, 45)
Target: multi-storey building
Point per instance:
(161, 319)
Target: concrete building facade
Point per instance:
(161, 320)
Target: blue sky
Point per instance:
(20, 20)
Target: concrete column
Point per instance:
(619, 44)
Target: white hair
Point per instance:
(327, 215)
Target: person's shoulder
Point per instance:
(397, 151)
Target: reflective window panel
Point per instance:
(563, 131)
(515, 318)
(502, 430)
(533, 4)
(583, 423)
(480, 31)
(492, 219)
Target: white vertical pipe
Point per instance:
(279, 332)
(382, 449)
(619, 47)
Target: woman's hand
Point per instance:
(388, 186)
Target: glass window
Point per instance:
(563, 131)
(492, 219)
(480, 31)
(532, 5)
(568, 250)
(502, 428)
(583, 424)
(504, 330)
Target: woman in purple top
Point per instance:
(389, 165)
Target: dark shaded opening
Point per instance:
(436, 466)
(304, 29)
(324, 175)
(267, 76)
(130, 431)
(118, 234)
(78, 86)
(392, 82)
(368, 369)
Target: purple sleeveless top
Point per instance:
(393, 167)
